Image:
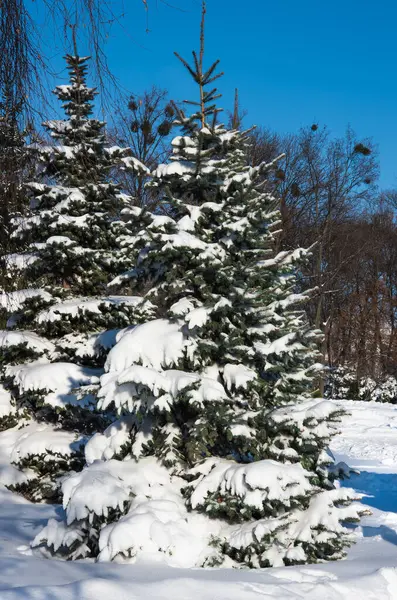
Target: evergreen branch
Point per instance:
(197, 65)
(212, 68)
(215, 77)
(210, 98)
(208, 94)
(186, 64)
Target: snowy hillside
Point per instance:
(368, 442)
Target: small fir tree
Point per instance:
(220, 450)
(72, 243)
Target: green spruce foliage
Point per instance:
(220, 448)
(62, 323)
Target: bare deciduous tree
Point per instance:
(144, 124)
(323, 184)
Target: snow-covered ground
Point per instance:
(368, 442)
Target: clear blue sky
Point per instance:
(295, 62)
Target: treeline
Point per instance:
(329, 199)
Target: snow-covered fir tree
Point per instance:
(219, 454)
(60, 319)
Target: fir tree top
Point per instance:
(77, 96)
(81, 158)
(74, 227)
(207, 109)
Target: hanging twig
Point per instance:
(200, 66)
